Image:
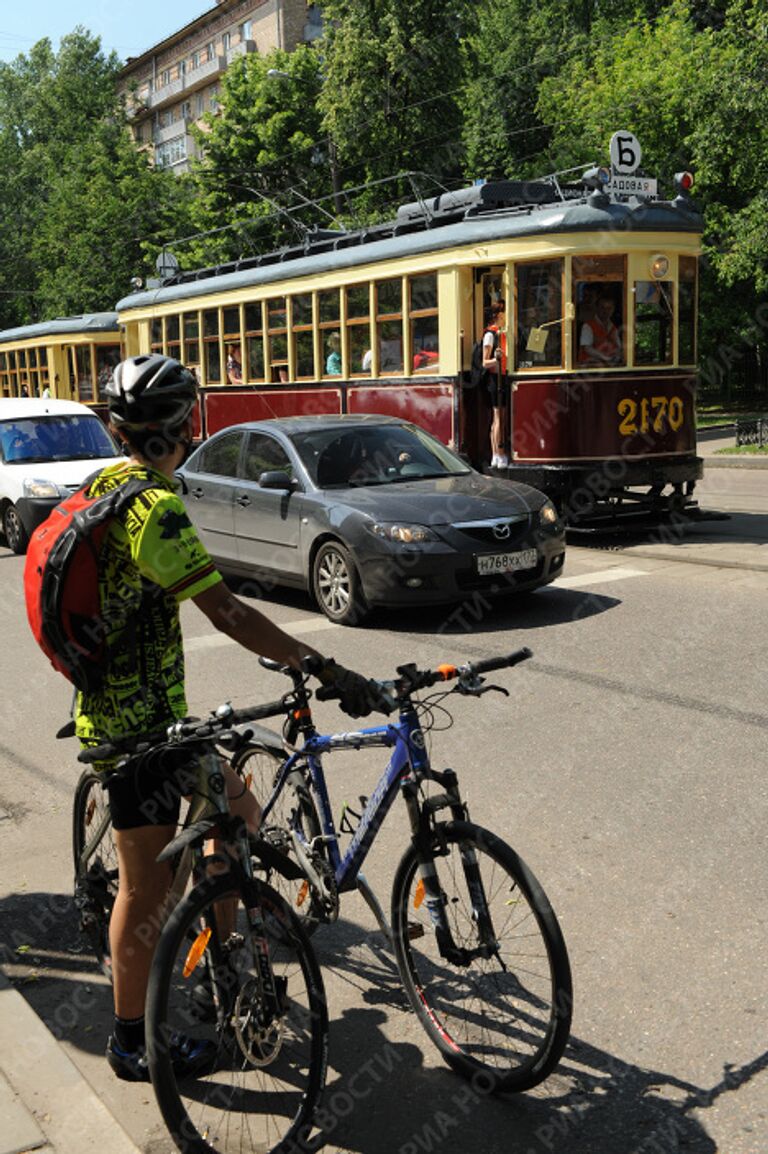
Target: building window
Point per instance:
(226, 40)
(210, 51)
(246, 30)
(199, 104)
(171, 152)
(195, 61)
(165, 77)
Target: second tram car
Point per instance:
(70, 358)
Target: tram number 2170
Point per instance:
(655, 414)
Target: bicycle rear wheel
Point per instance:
(96, 870)
(269, 1072)
(501, 1015)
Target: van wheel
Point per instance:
(16, 535)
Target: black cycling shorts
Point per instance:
(150, 790)
(497, 393)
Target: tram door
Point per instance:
(489, 294)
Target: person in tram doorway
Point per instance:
(599, 339)
(495, 365)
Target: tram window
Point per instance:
(211, 346)
(687, 311)
(191, 341)
(540, 303)
(329, 315)
(359, 329)
(254, 341)
(156, 335)
(328, 307)
(173, 337)
(83, 373)
(653, 322)
(277, 320)
(107, 357)
(233, 349)
(598, 297)
(303, 337)
(389, 325)
(4, 382)
(423, 323)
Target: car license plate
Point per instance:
(507, 562)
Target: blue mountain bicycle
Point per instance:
(478, 947)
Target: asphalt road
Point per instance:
(628, 767)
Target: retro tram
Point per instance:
(384, 320)
(69, 357)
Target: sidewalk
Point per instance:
(45, 1103)
(709, 442)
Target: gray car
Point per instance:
(365, 511)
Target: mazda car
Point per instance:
(365, 511)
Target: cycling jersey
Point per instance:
(152, 560)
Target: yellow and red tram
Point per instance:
(69, 357)
(384, 320)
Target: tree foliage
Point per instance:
(80, 204)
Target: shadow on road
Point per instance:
(380, 1097)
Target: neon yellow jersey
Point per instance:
(152, 559)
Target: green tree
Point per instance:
(264, 159)
(80, 205)
(390, 98)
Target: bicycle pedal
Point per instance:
(414, 930)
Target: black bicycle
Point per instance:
(233, 967)
(478, 946)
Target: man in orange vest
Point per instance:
(599, 341)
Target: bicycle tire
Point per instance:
(96, 868)
(241, 1106)
(503, 1021)
(258, 766)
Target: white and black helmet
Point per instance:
(150, 390)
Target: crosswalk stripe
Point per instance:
(599, 577)
(301, 625)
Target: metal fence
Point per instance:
(754, 432)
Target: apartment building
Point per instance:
(171, 85)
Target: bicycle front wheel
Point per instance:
(499, 1010)
(95, 857)
(259, 768)
(268, 1064)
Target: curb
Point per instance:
(45, 1102)
(734, 462)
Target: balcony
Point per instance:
(194, 78)
(171, 131)
(243, 49)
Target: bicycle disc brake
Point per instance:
(259, 1038)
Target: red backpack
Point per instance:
(61, 581)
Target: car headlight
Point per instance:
(548, 513)
(37, 488)
(406, 534)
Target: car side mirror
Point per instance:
(183, 486)
(276, 479)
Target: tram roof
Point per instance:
(413, 234)
(63, 326)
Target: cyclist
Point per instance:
(152, 560)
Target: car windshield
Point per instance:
(374, 455)
(66, 437)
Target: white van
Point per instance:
(47, 449)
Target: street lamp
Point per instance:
(338, 202)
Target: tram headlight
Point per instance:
(548, 513)
(659, 266)
(405, 534)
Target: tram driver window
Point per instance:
(653, 322)
(598, 297)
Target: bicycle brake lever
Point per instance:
(477, 689)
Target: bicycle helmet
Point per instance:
(150, 390)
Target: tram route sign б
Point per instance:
(626, 154)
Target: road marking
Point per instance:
(302, 625)
(599, 577)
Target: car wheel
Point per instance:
(16, 535)
(336, 585)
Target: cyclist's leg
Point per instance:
(135, 922)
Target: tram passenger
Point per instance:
(599, 340)
(234, 365)
(333, 361)
(495, 365)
